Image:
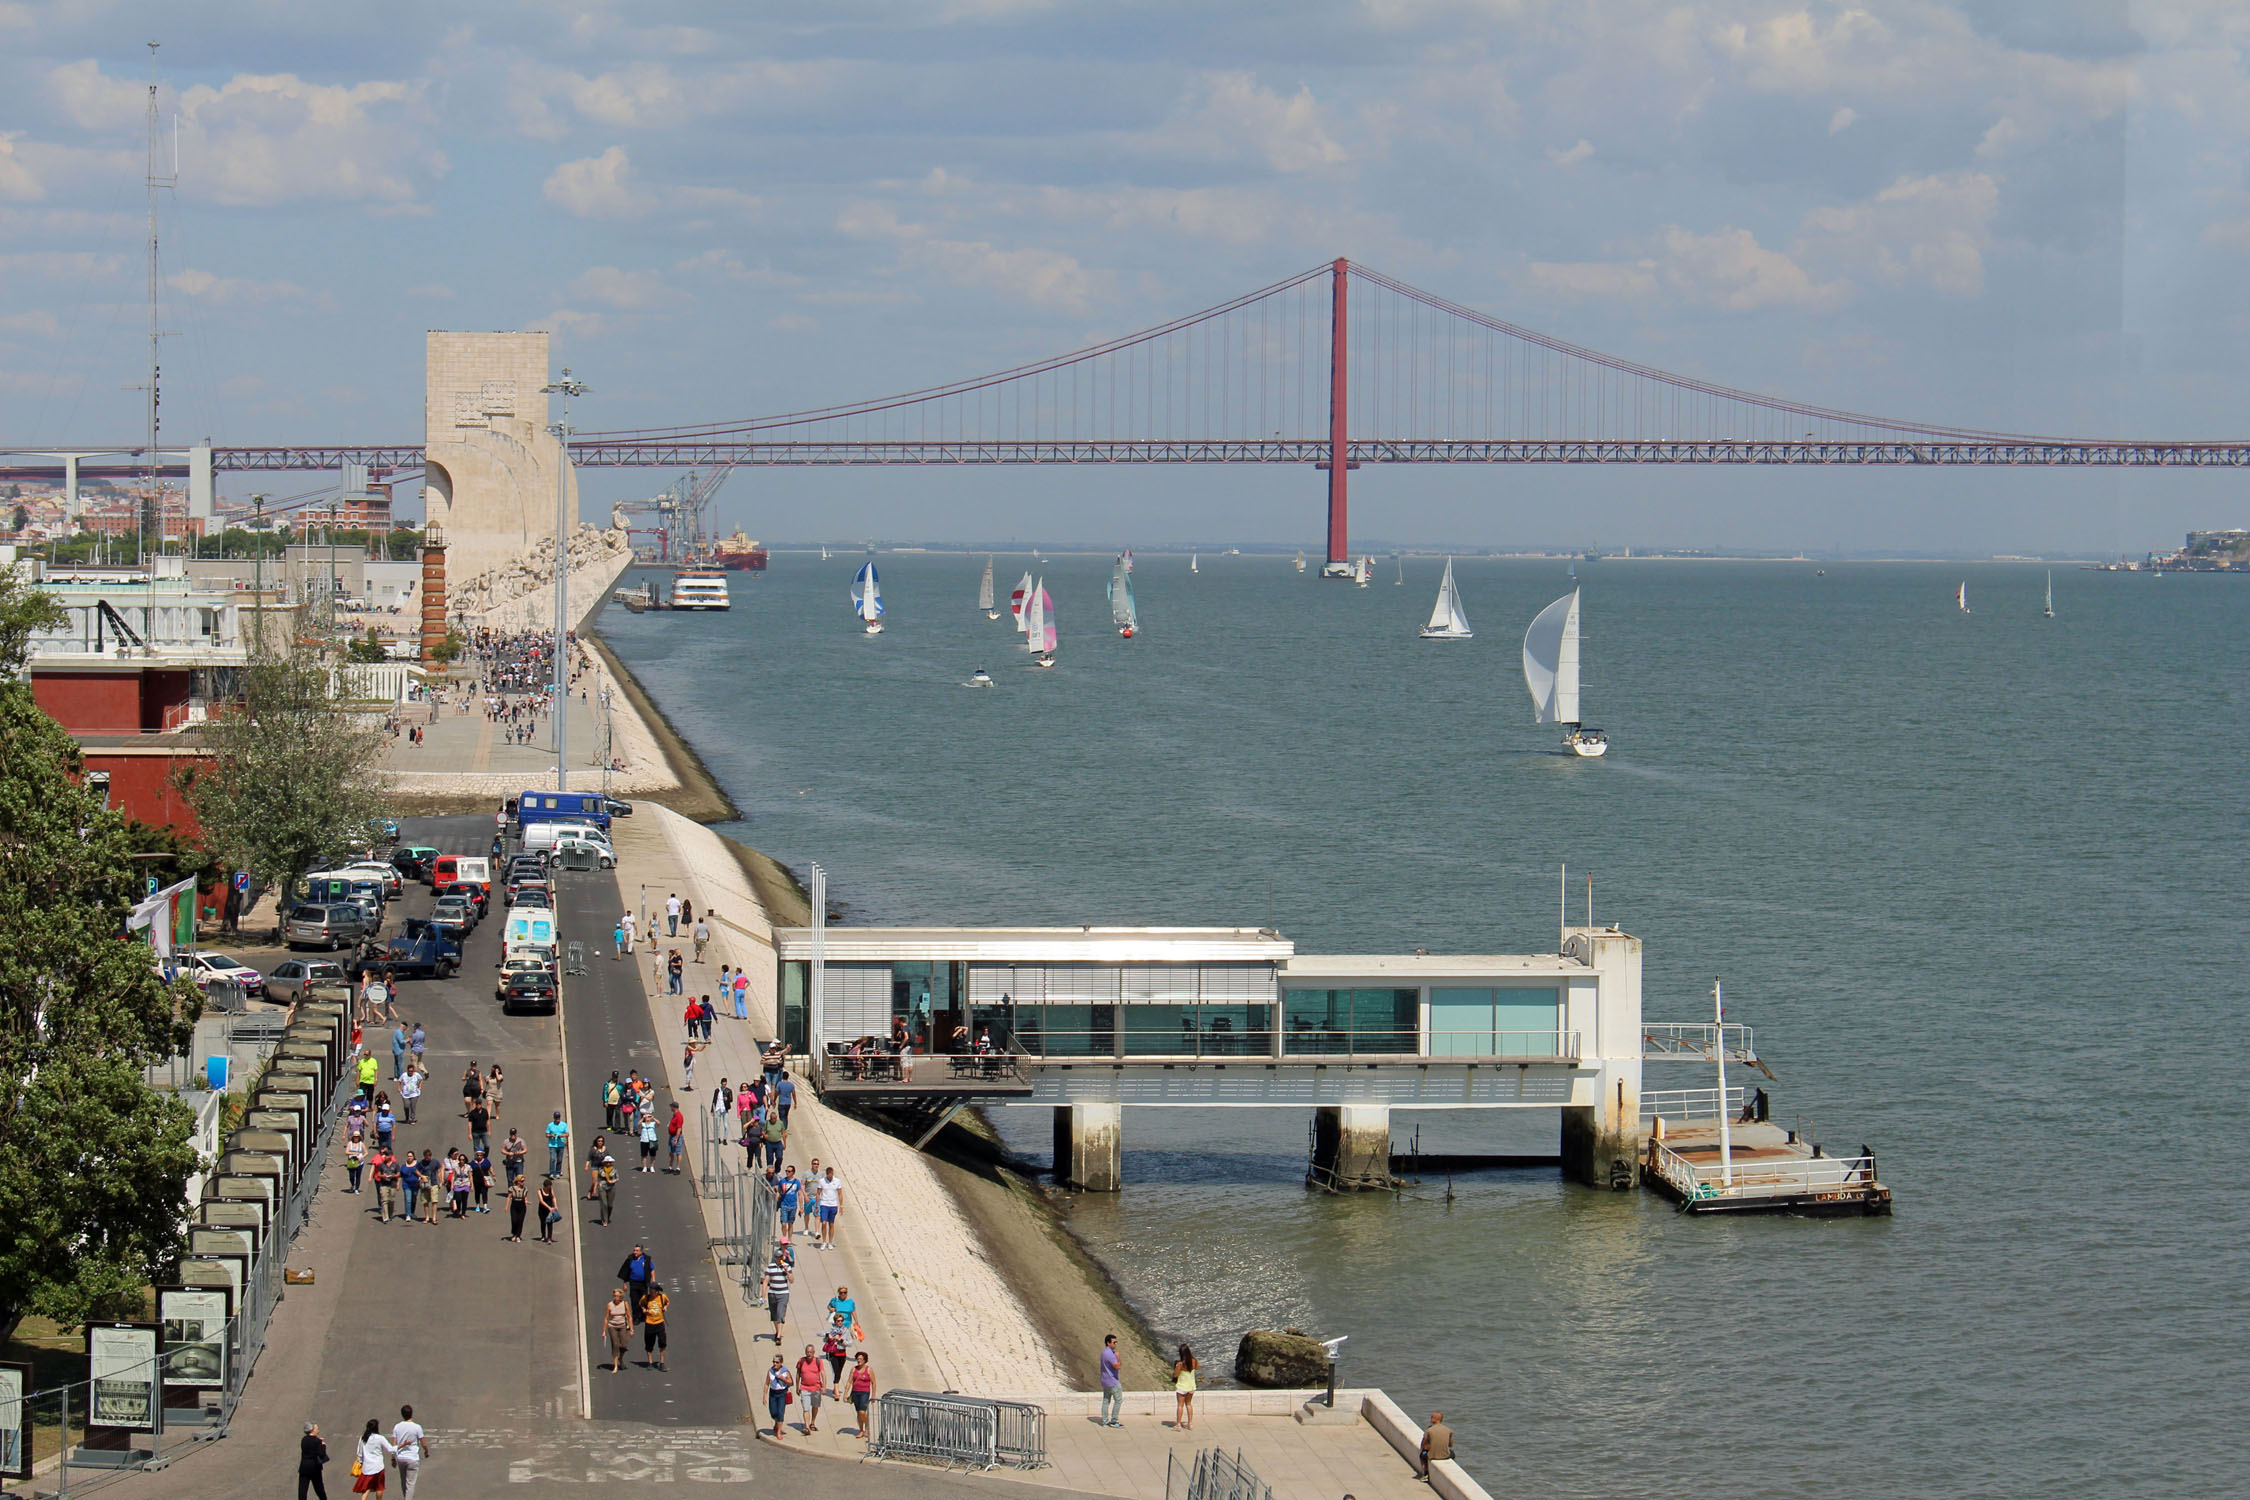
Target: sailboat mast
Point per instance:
(1719, 1050)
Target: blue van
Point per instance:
(547, 807)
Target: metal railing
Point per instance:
(1763, 1177)
(965, 1431)
(1688, 1104)
(1126, 1044)
(1214, 1474)
(1691, 1041)
(747, 1206)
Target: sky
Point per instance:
(2026, 215)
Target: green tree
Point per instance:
(449, 649)
(290, 777)
(19, 519)
(367, 648)
(93, 1162)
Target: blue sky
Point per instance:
(2027, 216)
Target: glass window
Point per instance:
(1325, 1022)
(1068, 1030)
(794, 1021)
(1493, 1022)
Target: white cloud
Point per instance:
(436, 291)
(566, 321)
(270, 138)
(1044, 278)
(63, 265)
(1728, 270)
(649, 95)
(1231, 116)
(1932, 229)
(1841, 121)
(40, 322)
(620, 289)
(1573, 156)
(17, 181)
(94, 102)
(596, 187)
(1598, 281)
(207, 287)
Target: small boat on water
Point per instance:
(1300, 562)
(984, 593)
(700, 590)
(1363, 570)
(1016, 599)
(1400, 581)
(1448, 622)
(1550, 672)
(1121, 611)
(979, 678)
(1039, 625)
(824, 552)
(2049, 611)
(867, 597)
(1195, 562)
(1961, 596)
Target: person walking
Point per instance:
(386, 1124)
(480, 1127)
(654, 1333)
(687, 1064)
(842, 1306)
(410, 1179)
(613, 1094)
(512, 1152)
(355, 1159)
(398, 1050)
(779, 1279)
(675, 970)
(836, 1348)
(831, 1194)
(312, 1457)
(594, 1155)
(780, 1391)
(461, 1175)
(786, 1193)
(408, 1442)
(777, 1138)
(495, 1084)
(702, 938)
(625, 926)
(742, 994)
(434, 1187)
(369, 1071)
(410, 1089)
(558, 1141)
(419, 1042)
(1437, 1443)
(637, 1271)
(809, 1386)
(1183, 1389)
(480, 1180)
(1113, 1385)
(863, 1390)
(472, 1087)
(618, 948)
(617, 1327)
(517, 1204)
(608, 1174)
(386, 1182)
(672, 915)
(371, 1470)
(811, 1208)
(648, 1140)
(785, 1097)
(549, 1215)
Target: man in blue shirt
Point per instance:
(637, 1272)
(1113, 1388)
(398, 1050)
(786, 1207)
(785, 1095)
(558, 1141)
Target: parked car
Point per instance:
(292, 979)
(522, 883)
(424, 951)
(455, 916)
(325, 926)
(394, 885)
(202, 965)
(528, 991)
(569, 841)
(534, 893)
(414, 860)
(529, 961)
(541, 837)
(619, 808)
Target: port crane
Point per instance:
(673, 517)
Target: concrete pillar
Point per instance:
(1601, 1143)
(71, 506)
(1090, 1146)
(1351, 1147)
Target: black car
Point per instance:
(414, 861)
(618, 809)
(527, 992)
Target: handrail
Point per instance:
(1688, 1104)
(1121, 1043)
(1761, 1177)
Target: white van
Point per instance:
(541, 837)
(531, 927)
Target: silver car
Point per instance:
(291, 981)
(332, 927)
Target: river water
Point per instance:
(1977, 881)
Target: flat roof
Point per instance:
(1032, 945)
(1421, 966)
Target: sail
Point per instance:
(1121, 611)
(1016, 601)
(984, 589)
(1550, 661)
(1038, 634)
(1195, 562)
(2050, 596)
(1046, 633)
(1446, 616)
(867, 593)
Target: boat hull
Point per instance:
(1587, 745)
(1447, 635)
(874, 629)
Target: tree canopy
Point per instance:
(93, 1162)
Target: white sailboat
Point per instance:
(984, 593)
(1961, 596)
(1400, 581)
(1122, 614)
(1359, 571)
(824, 552)
(1550, 672)
(2049, 611)
(1447, 621)
(1016, 600)
(1195, 562)
(1039, 625)
(1300, 562)
(867, 597)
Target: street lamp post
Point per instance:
(565, 388)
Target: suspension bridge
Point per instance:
(1334, 368)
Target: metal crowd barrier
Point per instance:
(968, 1431)
(747, 1213)
(1214, 1475)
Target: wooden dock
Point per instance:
(1770, 1171)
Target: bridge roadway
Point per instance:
(673, 453)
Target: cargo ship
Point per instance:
(739, 553)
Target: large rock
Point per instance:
(1281, 1360)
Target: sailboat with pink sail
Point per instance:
(1039, 625)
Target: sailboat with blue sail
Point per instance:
(867, 597)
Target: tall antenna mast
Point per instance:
(152, 495)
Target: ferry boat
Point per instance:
(739, 553)
(701, 590)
